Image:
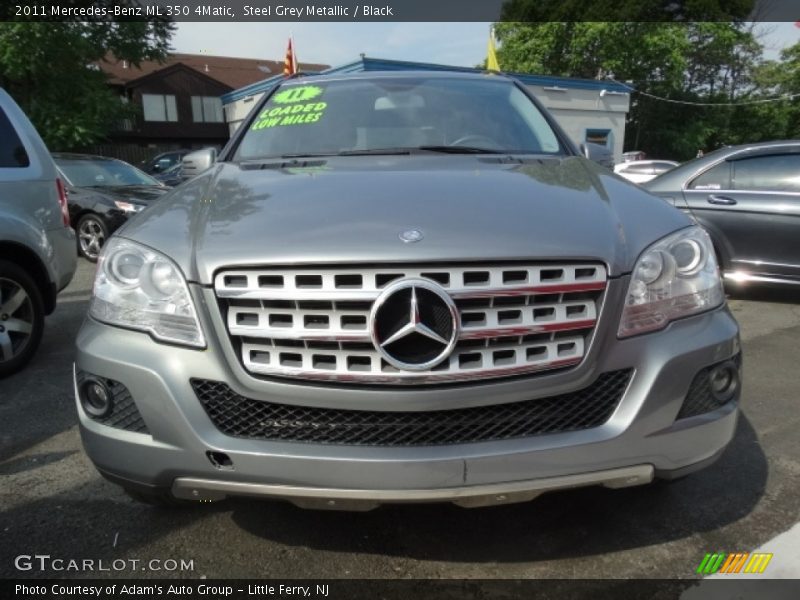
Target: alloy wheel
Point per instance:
(16, 319)
(92, 237)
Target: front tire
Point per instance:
(21, 318)
(92, 234)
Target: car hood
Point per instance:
(353, 210)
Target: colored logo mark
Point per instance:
(297, 94)
(737, 562)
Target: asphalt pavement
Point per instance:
(52, 501)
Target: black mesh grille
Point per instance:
(124, 414)
(244, 417)
(699, 399)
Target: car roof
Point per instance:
(184, 150)
(367, 75)
(755, 148)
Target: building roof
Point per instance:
(379, 64)
(233, 72)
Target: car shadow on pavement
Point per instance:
(93, 520)
(37, 403)
(23, 464)
(582, 522)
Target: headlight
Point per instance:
(675, 277)
(139, 288)
(128, 207)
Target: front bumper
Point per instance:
(469, 496)
(641, 438)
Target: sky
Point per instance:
(458, 44)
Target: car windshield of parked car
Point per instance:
(103, 173)
(385, 114)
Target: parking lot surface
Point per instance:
(53, 502)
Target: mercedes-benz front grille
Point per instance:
(314, 323)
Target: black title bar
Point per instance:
(395, 589)
(399, 10)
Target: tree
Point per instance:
(689, 64)
(51, 70)
(779, 119)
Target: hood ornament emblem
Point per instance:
(411, 235)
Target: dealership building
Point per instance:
(587, 109)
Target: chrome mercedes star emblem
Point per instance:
(411, 235)
(414, 324)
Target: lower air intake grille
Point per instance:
(243, 417)
(124, 414)
(700, 399)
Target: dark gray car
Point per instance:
(748, 199)
(404, 288)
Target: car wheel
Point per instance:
(21, 318)
(92, 234)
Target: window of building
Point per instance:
(12, 152)
(158, 107)
(207, 109)
(599, 136)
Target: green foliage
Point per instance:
(539, 11)
(695, 62)
(49, 70)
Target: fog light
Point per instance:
(96, 398)
(724, 381)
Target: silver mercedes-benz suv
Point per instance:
(404, 288)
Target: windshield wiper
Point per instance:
(399, 151)
(377, 152)
(264, 159)
(461, 150)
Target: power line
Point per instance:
(689, 103)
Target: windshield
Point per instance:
(440, 114)
(111, 173)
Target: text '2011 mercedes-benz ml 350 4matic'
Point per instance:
(404, 288)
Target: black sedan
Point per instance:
(164, 161)
(103, 193)
(172, 176)
(748, 199)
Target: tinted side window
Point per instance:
(12, 152)
(716, 178)
(777, 172)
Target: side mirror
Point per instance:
(198, 161)
(599, 154)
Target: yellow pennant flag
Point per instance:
(491, 60)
